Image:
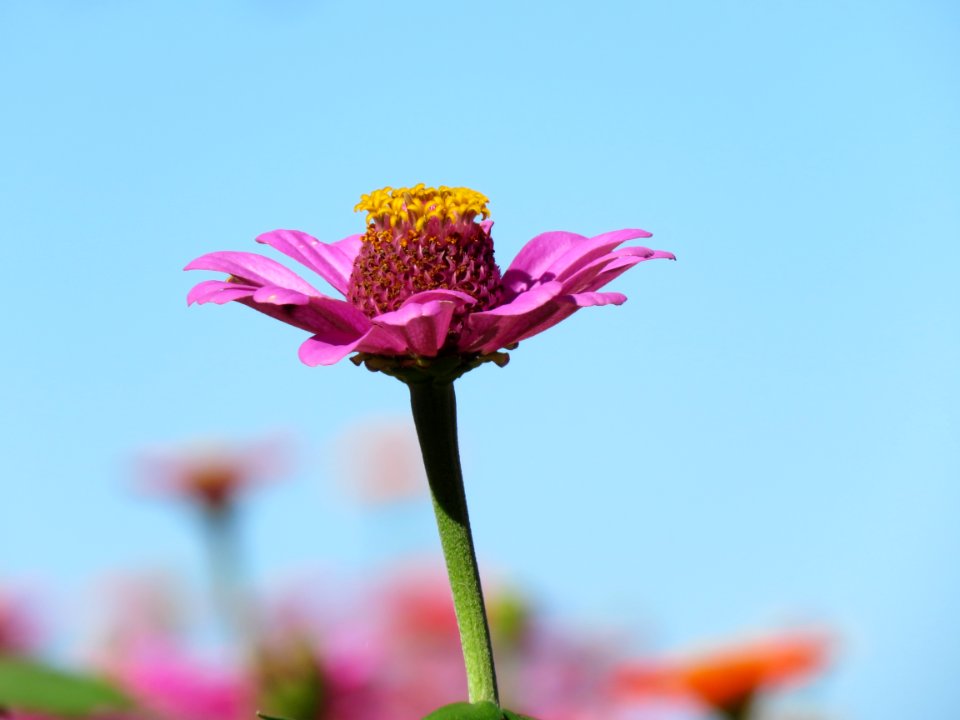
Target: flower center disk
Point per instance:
(421, 239)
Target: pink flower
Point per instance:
(19, 631)
(170, 685)
(421, 282)
(212, 474)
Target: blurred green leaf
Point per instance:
(293, 699)
(264, 716)
(476, 711)
(509, 715)
(291, 684)
(467, 711)
(31, 687)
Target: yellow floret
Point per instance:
(415, 205)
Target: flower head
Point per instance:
(727, 677)
(422, 239)
(421, 287)
(212, 475)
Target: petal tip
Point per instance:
(264, 238)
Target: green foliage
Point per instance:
(509, 715)
(476, 711)
(467, 711)
(293, 699)
(290, 684)
(30, 687)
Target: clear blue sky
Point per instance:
(767, 430)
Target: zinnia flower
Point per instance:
(169, 685)
(422, 283)
(727, 678)
(213, 474)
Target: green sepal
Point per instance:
(439, 370)
(264, 716)
(475, 711)
(35, 688)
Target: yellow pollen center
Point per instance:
(414, 207)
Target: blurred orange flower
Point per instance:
(730, 676)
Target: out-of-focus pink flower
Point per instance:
(172, 686)
(728, 676)
(135, 611)
(19, 631)
(213, 474)
(422, 282)
(379, 460)
(393, 653)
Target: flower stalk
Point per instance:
(435, 415)
(739, 709)
(226, 572)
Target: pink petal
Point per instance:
(422, 327)
(558, 311)
(587, 281)
(333, 320)
(589, 299)
(219, 292)
(621, 236)
(584, 253)
(662, 255)
(523, 303)
(536, 257)
(612, 271)
(319, 351)
(333, 262)
(461, 299)
(557, 255)
(383, 340)
(493, 329)
(255, 269)
(599, 272)
(280, 296)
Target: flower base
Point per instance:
(438, 370)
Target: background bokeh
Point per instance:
(766, 432)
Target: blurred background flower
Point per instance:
(778, 440)
(385, 647)
(19, 624)
(731, 680)
(378, 460)
(212, 473)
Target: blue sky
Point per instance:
(767, 430)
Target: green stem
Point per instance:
(226, 572)
(741, 709)
(435, 415)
